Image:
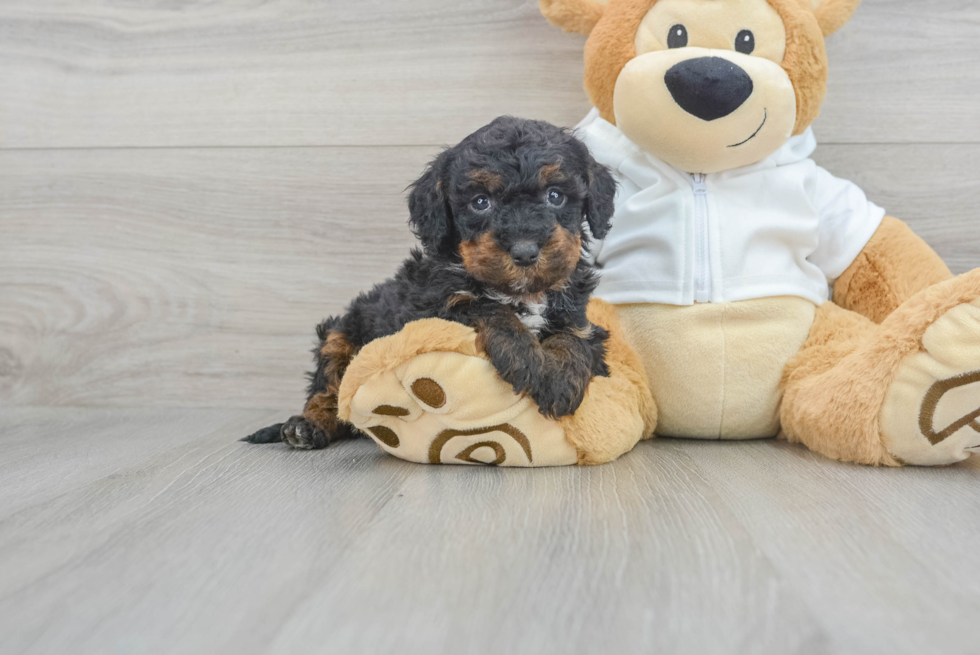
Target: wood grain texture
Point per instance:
(179, 539)
(194, 278)
(187, 277)
(825, 526)
(290, 72)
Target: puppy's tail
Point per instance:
(271, 434)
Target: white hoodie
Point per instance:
(781, 227)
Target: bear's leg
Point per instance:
(903, 392)
(895, 265)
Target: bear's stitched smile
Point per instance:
(756, 133)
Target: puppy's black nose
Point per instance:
(525, 253)
(708, 87)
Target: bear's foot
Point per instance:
(931, 413)
(428, 394)
(906, 391)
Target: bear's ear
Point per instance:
(573, 15)
(832, 14)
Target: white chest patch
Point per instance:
(532, 316)
(530, 313)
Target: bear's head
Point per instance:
(705, 85)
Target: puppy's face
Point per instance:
(510, 201)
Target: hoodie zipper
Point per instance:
(702, 266)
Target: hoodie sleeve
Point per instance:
(847, 222)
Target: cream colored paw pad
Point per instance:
(451, 408)
(931, 414)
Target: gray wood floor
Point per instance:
(154, 531)
(187, 187)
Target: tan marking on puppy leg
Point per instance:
(459, 297)
(321, 409)
(339, 353)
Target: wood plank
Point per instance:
(219, 547)
(904, 71)
(211, 545)
(278, 73)
(886, 556)
(102, 74)
(933, 188)
(188, 549)
(641, 556)
(49, 451)
(194, 277)
(163, 277)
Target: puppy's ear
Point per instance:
(600, 201)
(429, 213)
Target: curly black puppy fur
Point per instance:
(500, 218)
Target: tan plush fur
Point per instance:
(609, 48)
(572, 15)
(894, 266)
(611, 45)
(622, 398)
(385, 355)
(727, 356)
(833, 14)
(835, 386)
(617, 412)
(805, 61)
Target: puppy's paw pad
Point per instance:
(299, 433)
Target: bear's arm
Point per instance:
(893, 266)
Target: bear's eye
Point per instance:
(745, 42)
(556, 198)
(677, 37)
(480, 203)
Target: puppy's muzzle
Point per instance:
(525, 253)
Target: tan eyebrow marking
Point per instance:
(550, 173)
(490, 181)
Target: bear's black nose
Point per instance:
(525, 253)
(708, 87)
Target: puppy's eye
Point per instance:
(556, 198)
(745, 42)
(677, 37)
(480, 203)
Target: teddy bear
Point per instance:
(717, 273)
(727, 235)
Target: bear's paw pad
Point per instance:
(450, 408)
(931, 414)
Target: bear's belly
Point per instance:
(714, 369)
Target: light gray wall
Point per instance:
(187, 188)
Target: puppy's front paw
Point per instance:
(558, 398)
(300, 433)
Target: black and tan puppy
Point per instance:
(500, 218)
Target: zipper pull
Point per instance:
(700, 188)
